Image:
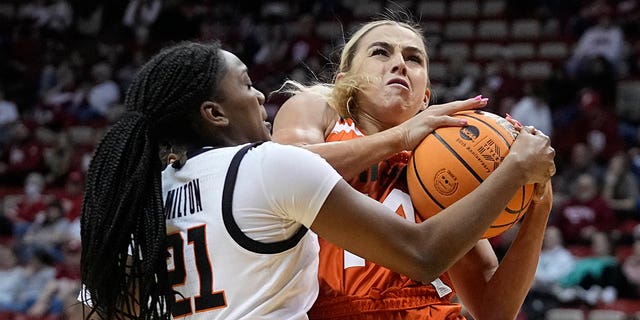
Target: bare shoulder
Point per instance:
(304, 114)
(306, 102)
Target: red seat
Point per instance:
(628, 306)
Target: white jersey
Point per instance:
(239, 248)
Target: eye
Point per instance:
(249, 86)
(415, 58)
(379, 52)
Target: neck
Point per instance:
(369, 125)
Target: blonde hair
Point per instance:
(341, 94)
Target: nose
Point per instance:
(260, 96)
(399, 65)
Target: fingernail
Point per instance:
(463, 121)
(484, 99)
(514, 120)
(478, 97)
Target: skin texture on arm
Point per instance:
(306, 119)
(490, 291)
(358, 224)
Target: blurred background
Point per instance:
(571, 68)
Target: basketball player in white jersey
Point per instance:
(223, 233)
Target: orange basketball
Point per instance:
(452, 161)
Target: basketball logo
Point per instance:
(453, 161)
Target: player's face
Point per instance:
(243, 104)
(394, 60)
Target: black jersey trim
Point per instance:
(230, 223)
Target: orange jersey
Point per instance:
(353, 288)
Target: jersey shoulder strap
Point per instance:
(230, 223)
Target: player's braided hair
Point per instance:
(123, 224)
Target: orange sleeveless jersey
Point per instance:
(353, 288)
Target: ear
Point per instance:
(213, 113)
(427, 96)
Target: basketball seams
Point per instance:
(424, 187)
(458, 156)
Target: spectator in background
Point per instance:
(62, 290)
(57, 159)
(71, 196)
(598, 76)
(560, 91)
(10, 276)
(533, 110)
(48, 232)
(621, 192)
(598, 277)
(60, 17)
(556, 261)
(604, 39)
(34, 12)
(140, 15)
(65, 96)
(102, 96)
(23, 156)
(581, 161)
(34, 276)
(8, 116)
(32, 203)
(594, 124)
(585, 212)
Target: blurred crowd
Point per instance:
(65, 66)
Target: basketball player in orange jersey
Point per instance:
(363, 125)
(222, 232)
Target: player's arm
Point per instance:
(306, 119)
(492, 291)
(421, 251)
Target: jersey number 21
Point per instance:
(207, 299)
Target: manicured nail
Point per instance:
(484, 99)
(478, 97)
(511, 118)
(463, 121)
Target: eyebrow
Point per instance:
(388, 46)
(244, 72)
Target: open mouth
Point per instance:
(398, 81)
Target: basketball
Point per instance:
(453, 161)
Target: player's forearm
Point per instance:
(351, 157)
(511, 282)
(475, 212)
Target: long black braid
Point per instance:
(123, 226)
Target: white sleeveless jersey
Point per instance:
(242, 250)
